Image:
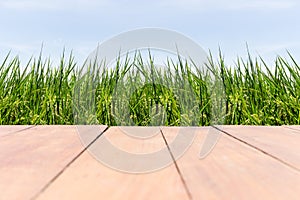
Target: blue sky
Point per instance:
(269, 27)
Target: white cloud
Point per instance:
(27, 4)
(230, 5)
(42, 5)
(276, 48)
(195, 5)
(263, 5)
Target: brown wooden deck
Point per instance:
(248, 162)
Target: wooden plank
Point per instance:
(31, 158)
(294, 127)
(9, 129)
(233, 170)
(280, 142)
(87, 178)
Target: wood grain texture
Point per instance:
(282, 143)
(10, 129)
(87, 178)
(31, 158)
(233, 170)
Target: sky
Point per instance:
(268, 27)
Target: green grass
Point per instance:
(250, 93)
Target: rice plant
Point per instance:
(39, 94)
(254, 93)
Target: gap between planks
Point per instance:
(10, 132)
(86, 171)
(260, 149)
(65, 168)
(176, 166)
(294, 128)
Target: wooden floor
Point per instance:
(248, 162)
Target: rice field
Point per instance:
(248, 93)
